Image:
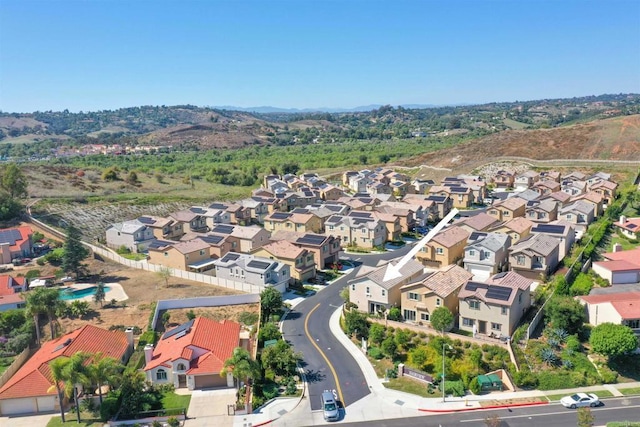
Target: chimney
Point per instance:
(617, 247)
(148, 353)
(623, 219)
(129, 333)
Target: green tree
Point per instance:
(13, 181)
(280, 359)
(389, 347)
(612, 340)
(74, 252)
(72, 372)
(103, 370)
(356, 323)
(100, 295)
(36, 307)
(376, 333)
(418, 357)
(585, 417)
(395, 314)
(563, 312)
(441, 319)
(132, 178)
(165, 274)
(9, 207)
(57, 366)
(268, 332)
(132, 393)
(240, 365)
(45, 301)
(344, 294)
(270, 303)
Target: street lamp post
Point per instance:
(443, 388)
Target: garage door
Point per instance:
(625, 277)
(480, 273)
(209, 381)
(46, 404)
(18, 406)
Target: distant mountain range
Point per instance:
(363, 108)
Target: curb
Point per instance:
(484, 407)
(263, 423)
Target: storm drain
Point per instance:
(399, 402)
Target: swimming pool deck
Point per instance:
(115, 292)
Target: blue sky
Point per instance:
(98, 54)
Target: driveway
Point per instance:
(209, 408)
(28, 421)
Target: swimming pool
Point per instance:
(70, 293)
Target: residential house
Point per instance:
(390, 221)
(562, 231)
(421, 297)
(551, 176)
(574, 176)
(422, 186)
(607, 189)
(219, 244)
(429, 207)
(163, 228)
(595, 199)
(133, 235)
(15, 243)
(300, 220)
(238, 214)
(503, 179)
(494, 307)
(486, 254)
(516, 228)
(444, 248)
(301, 261)
(573, 188)
(193, 354)
(359, 183)
(346, 176)
(504, 210)
(579, 213)
(400, 188)
(618, 308)
(526, 179)
(250, 237)
(371, 293)
(444, 204)
(546, 186)
(10, 292)
(597, 177)
(479, 222)
(406, 213)
(325, 249)
(192, 219)
(629, 227)
(541, 211)
(377, 187)
(31, 390)
(256, 207)
(535, 257)
(529, 195)
(12, 302)
(460, 195)
(363, 232)
(215, 216)
(253, 270)
(194, 255)
(330, 192)
(619, 267)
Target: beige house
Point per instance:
(372, 294)
(503, 179)
(420, 298)
(301, 261)
(516, 228)
(629, 227)
(192, 220)
(362, 232)
(606, 189)
(579, 213)
(444, 204)
(219, 245)
(619, 308)
(445, 248)
(325, 249)
(505, 210)
(542, 211)
(163, 228)
(250, 237)
(546, 186)
(595, 199)
(181, 255)
(330, 192)
(301, 222)
(494, 307)
(479, 222)
(535, 257)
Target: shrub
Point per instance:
(395, 314)
(609, 376)
(173, 422)
(375, 353)
(582, 285)
(573, 343)
(525, 378)
(474, 386)
(109, 408)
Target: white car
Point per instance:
(579, 400)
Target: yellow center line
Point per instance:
(326, 359)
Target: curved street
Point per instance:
(328, 366)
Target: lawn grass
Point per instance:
(86, 420)
(513, 124)
(5, 362)
(602, 394)
(630, 391)
(623, 424)
(171, 400)
(626, 243)
(409, 386)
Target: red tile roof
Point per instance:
(218, 339)
(627, 304)
(8, 284)
(621, 265)
(628, 309)
(34, 377)
(632, 256)
(25, 232)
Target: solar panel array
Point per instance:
(356, 214)
(476, 235)
(280, 215)
(217, 206)
(458, 189)
(157, 244)
(212, 240)
(436, 198)
(548, 228)
(10, 236)
(499, 292)
(223, 229)
(334, 208)
(230, 257)
(631, 226)
(308, 193)
(311, 239)
(473, 286)
(260, 265)
(146, 220)
(182, 328)
(334, 219)
(196, 210)
(300, 211)
(500, 275)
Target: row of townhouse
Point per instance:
(490, 307)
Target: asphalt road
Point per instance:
(552, 415)
(327, 364)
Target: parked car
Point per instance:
(579, 400)
(66, 279)
(20, 261)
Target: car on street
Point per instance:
(579, 400)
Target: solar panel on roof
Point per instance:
(308, 193)
(499, 292)
(300, 210)
(312, 239)
(436, 198)
(156, 244)
(146, 220)
(280, 215)
(548, 228)
(366, 200)
(334, 208)
(477, 235)
(356, 214)
(261, 265)
(223, 229)
(473, 286)
(631, 226)
(212, 240)
(459, 189)
(230, 257)
(10, 236)
(217, 206)
(196, 210)
(334, 219)
(500, 275)
(182, 328)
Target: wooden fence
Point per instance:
(17, 364)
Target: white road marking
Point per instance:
(568, 411)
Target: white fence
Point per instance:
(168, 304)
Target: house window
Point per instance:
(353, 287)
(424, 316)
(519, 298)
(368, 291)
(161, 375)
(505, 213)
(474, 304)
(410, 315)
(384, 292)
(504, 310)
(439, 251)
(496, 326)
(438, 301)
(634, 324)
(569, 216)
(472, 252)
(166, 254)
(331, 227)
(181, 367)
(520, 259)
(414, 296)
(467, 322)
(201, 251)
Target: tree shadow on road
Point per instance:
(314, 376)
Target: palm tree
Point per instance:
(99, 295)
(72, 372)
(57, 367)
(36, 307)
(241, 366)
(53, 304)
(103, 370)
